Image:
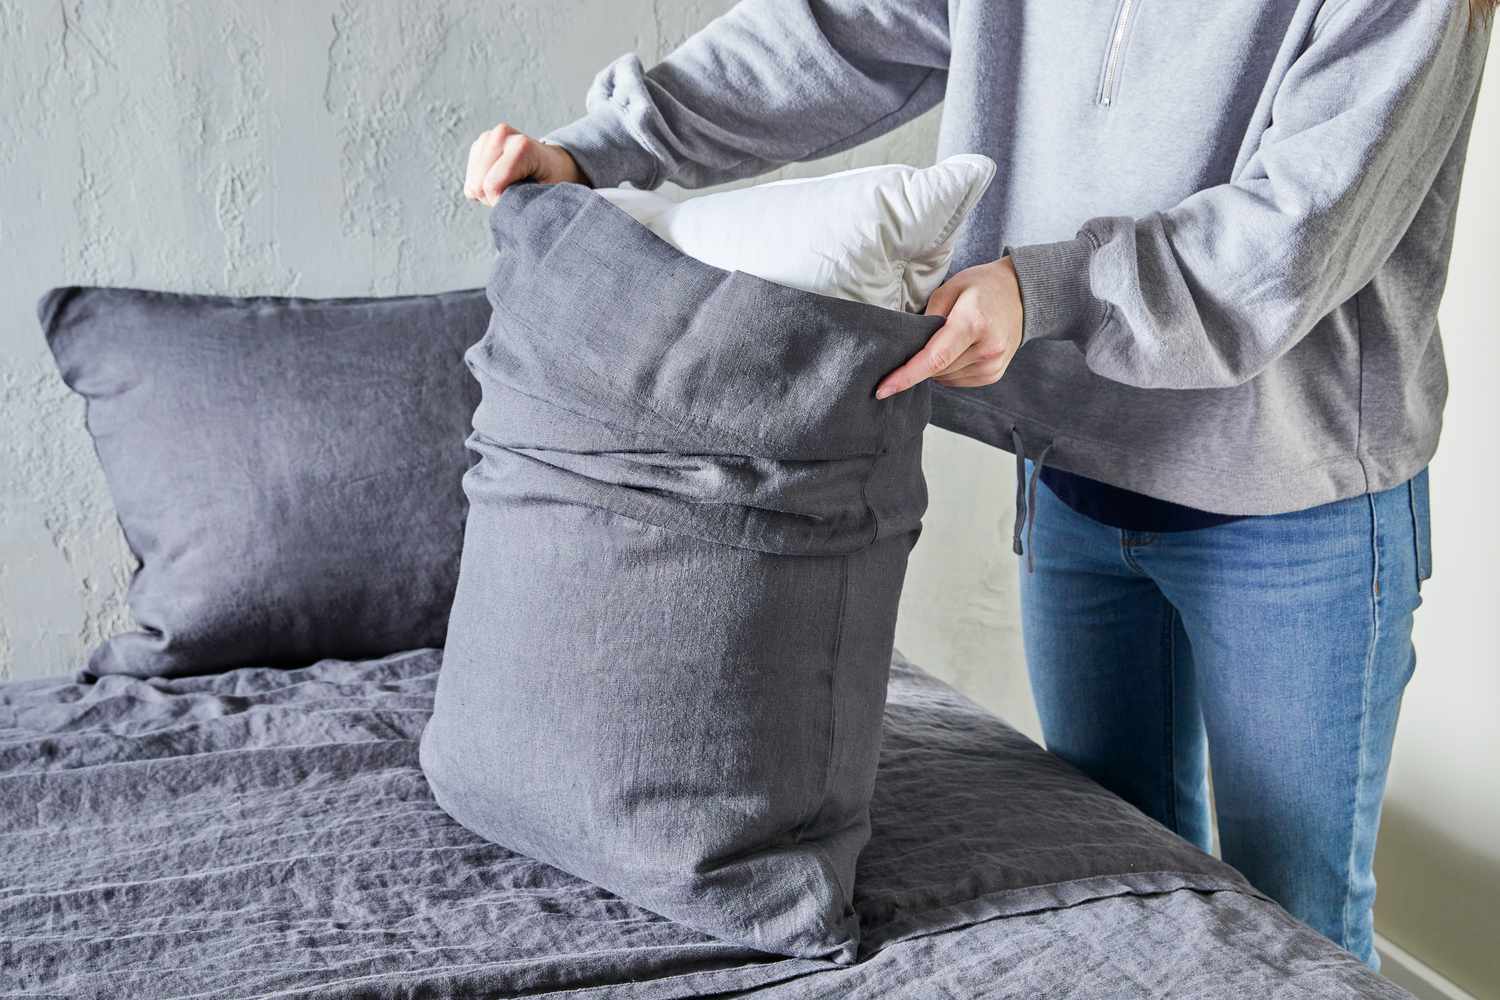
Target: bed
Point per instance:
(268, 832)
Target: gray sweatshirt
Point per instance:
(1231, 221)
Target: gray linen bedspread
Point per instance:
(268, 832)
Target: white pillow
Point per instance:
(881, 235)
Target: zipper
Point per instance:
(1109, 80)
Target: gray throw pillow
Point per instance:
(687, 536)
(287, 471)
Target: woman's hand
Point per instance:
(983, 329)
(502, 156)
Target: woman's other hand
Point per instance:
(982, 307)
(502, 156)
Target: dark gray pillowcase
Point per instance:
(287, 471)
(687, 537)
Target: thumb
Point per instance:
(940, 303)
(940, 351)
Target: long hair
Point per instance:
(1481, 10)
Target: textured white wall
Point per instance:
(310, 148)
(314, 147)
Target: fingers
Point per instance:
(971, 377)
(483, 153)
(982, 364)
(499, 158)
(517, 162)
(980, 335)
(974, 382)
(944, 348)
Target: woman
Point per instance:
(1209, 271)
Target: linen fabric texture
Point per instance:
(687, 536)
(147, 822)
(287, 471)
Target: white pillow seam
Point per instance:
(958, 217)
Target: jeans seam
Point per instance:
(1171, 746)
(1416, 537)
(1364, 717)
(1422, 552)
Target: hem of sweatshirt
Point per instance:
(1057, 300)
(1250, 487)
(606, 151)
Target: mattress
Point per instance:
(268, 832)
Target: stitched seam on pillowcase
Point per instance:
(864, 489)
(900, 285)
(959, 215)
(833, 718)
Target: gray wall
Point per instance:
(316, 148)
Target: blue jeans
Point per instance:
(1276, 646)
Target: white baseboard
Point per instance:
(1415, 976)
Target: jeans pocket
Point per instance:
(1421, 524)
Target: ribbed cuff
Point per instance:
(606, 151)
(1057, 302)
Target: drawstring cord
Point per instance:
(1020, 450)
(1026, 497)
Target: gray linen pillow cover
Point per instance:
(287, 471)
(687, 536)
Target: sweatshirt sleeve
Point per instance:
(769, 82)
(1211, 291)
